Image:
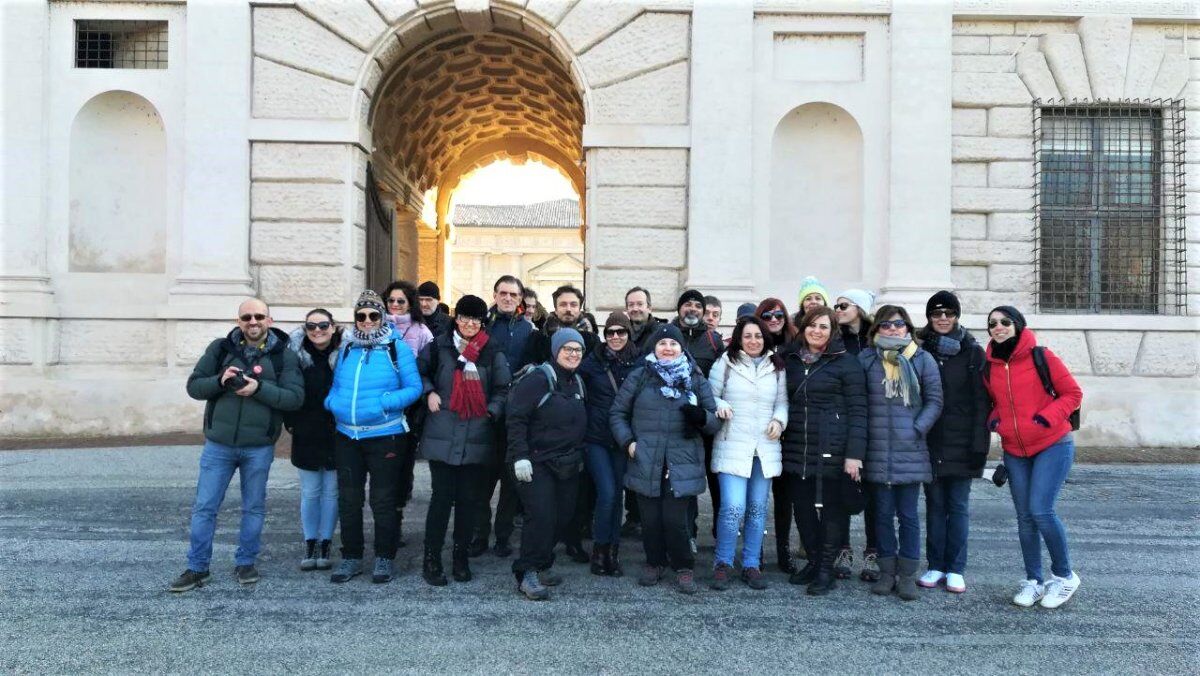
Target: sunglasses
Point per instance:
(894, 324)
(313, 326)
(842, 306)
(773, 314)
(943, 314)
(258, 317)
(367, 316)
(1002, 322)
(616, 332)
(397, 301)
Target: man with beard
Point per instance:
(641, 317)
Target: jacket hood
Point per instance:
(296, 344)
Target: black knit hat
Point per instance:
(471, 306)
(668, 330)
(943, 300)
(1014, 314)
(429, 290)
(690, 294)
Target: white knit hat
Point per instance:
(860, 297)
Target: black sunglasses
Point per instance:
(773, 314)
(367, 316)
(842, 306)
(615, 332)
(895, 324)
(1002, 322)
(313, 326)
(943, 314)
(258, 317)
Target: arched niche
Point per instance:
(817, 197)
(118, 186)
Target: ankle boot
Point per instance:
(460, 567)
(783, 555)
(599, 555)
(323, 560)
(431, 569)
(309, 562)
(613, 562)
(887, 576)
(826, 579)
(906, 579)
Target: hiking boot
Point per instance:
(931, 579)
(323, 560)
(599, 556)
(502, 549)
(1031, 592)
(460, 565)
(549, 578)
(190, 579)
(805, 575)
(721, 577)
(887, 577)
(577, 553)
(477, 547)
(906, 579)
(532, 587)
(870, 568)
(309, 562)
(348, 568)
(612, 563)
(685, 582)
(247, 574)
(1059, 590)
(431, 569)
(651, 575)
(754, 578)
(384, 569)
(843, 564)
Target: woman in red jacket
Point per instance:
(1038, 450)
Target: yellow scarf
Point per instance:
(891, 365)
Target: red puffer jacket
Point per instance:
(1018, 396)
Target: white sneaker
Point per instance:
(955, 583)
(1030, 593)
(1059, 590)
(931, 578)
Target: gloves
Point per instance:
(1037, 418)
(694, 415)
(994, 424)
(523, 469)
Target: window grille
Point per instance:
(120, 44)
(1109, 206)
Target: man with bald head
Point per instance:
(247, 379)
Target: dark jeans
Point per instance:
(818, 527)
(894, 502)
(666, 529)
(357, 460)
(607, 467)
(507, 505)
(946, 518)
(454, 486)
(783, 512)
(549, 501)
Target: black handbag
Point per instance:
(854, 500)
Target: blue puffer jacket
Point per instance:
(896, 448)
(369, 393)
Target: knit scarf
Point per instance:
(676, 375)
(381, 335)
(899, 376)
(946, 345)
(466, 394)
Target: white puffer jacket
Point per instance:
(757, 394)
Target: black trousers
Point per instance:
(714, 491)
(407, 468)
(378, 460)
(507, 505)
(549, 502)
(783, 512)
(632, 515)
(458, 487)
(585, 508)
(818, 527)
(666, 529)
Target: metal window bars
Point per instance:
(1110, 235)
(120, 44)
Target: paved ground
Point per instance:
(90, 539)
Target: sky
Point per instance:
(503, 182)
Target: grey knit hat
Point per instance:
(370, 299)
(563, 336)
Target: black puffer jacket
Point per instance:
(595, 370)
(666, 442)
(854, 342)
(447, 437)
(702, 343)
(827, 412)
(552, 431)
(640, 337)
(312, 426)
(958, 441)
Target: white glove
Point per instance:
(524, 470)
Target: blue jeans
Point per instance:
(892, 502)
(318, 503)
(742, 498)
(217, 464)
(1035, 483)
(946, 518)
(607, 467)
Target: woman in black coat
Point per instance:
(958, 441)
(316, 345)
(824, 443)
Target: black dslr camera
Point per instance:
(237, 381)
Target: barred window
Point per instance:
(120, 44)
(1109, 207)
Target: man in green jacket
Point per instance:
(248, 379)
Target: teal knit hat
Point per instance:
(813, 285)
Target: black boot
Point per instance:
(323, 560)
(576, 552)
(613, 562)
(826, 580)
(431, 569)
(599, 555)
(460, 568)
(478, 546)
(783, 555)
(309, 562)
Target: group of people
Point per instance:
(604, 431)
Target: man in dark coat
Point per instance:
(642, 321)
(568, 309)
(438, 321)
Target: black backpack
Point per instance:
(391, 350)
(1043, 370)
(551, 377)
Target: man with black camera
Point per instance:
(248, 379)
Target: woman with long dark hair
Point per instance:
(780, 332)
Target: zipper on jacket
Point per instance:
(1013, 407)
(354, 393)
(804, 467)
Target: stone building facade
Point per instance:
(730, 146)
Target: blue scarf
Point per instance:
(676, 374)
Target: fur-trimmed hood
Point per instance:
(296, 344)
